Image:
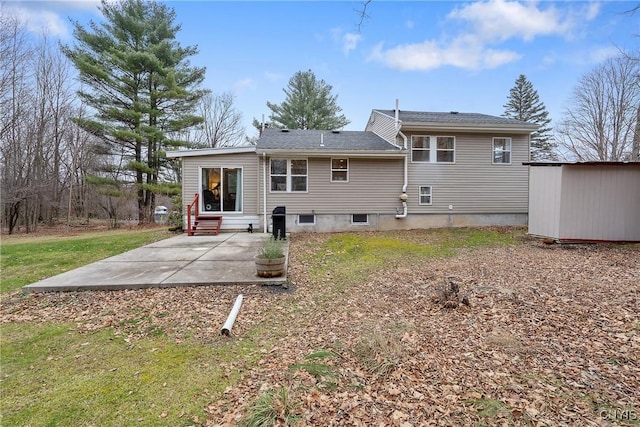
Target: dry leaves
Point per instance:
(551, 337)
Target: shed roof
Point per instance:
(457, 119)
(323, 141)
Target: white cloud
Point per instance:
(48, 17)
(273, 77)
(243, 84)
(548, 60)
(39, 21)
(485, 26)
(463, 52)
(500, 20)
(593, 10)
(603, 53)
(350, 42)
(410, 24)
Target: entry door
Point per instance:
(221, 190)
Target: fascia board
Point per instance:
(468, 128)
(209, 152)
(334, 153)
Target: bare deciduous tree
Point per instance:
(222, 125)
(14, 107)
(41, 149)
(600, 123)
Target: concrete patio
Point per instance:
(226, 258)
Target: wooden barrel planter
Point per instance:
(267, 267)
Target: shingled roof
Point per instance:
(456, 118)
(322, 140)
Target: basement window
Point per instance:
(306, 219)
(360, 219)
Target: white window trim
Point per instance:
(289, 176)
(430, 187)
(201, 196)
(307, 223)
(420, 149)
(339, 170)
(433, 149)
(359, 223)
(493, 150)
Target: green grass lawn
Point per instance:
(25, 261)
(54, 375)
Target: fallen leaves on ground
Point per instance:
(551, 336)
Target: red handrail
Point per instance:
(191, 206)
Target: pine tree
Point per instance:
(143, 91)
(524, 104)
(309, 105)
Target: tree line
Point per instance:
(84, 127)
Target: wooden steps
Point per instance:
(205, 224)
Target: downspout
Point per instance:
(403, 197)
(264, 191)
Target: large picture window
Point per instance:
(221, 189)
(501, 150)
(433, 149)
(288, 175)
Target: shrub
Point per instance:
(272, 249)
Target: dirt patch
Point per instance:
(551, 336)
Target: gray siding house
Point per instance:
(589, 201)
(406, 170)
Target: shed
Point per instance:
(585, 201)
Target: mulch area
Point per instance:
(551, 336)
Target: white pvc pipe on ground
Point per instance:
(226, 328)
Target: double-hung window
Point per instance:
(445, 146)
(433, 149)
(339, 170)
(288, 175)
(425, 194)
(501, 150)
(420, 148)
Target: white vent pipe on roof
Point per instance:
(226, 328)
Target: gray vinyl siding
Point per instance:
(373, 187)
(473, 184)
(600, 203)
(191, 167)
(545, 196)
(383, 126)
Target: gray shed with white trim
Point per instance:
(585, 201)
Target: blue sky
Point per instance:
(430, 55)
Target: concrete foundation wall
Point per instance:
(384, 222)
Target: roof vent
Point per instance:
(284, 130)
(454, 112)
